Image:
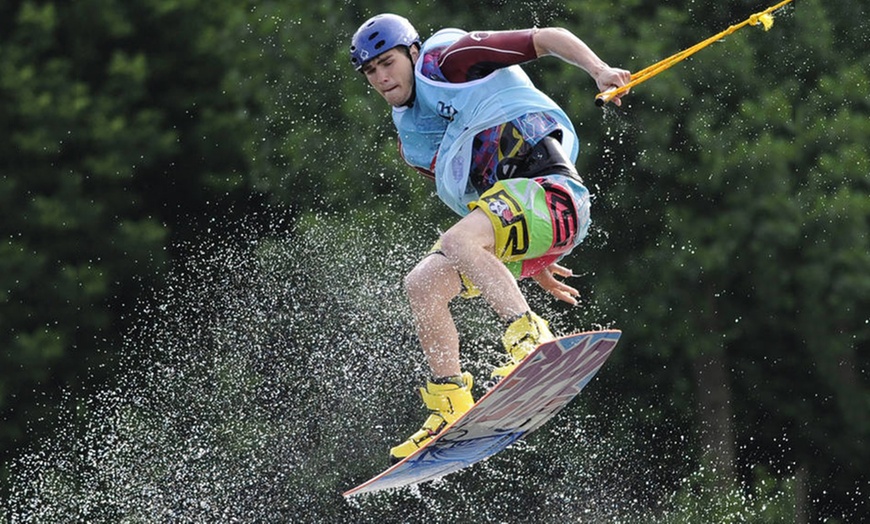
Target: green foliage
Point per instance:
(730, 214)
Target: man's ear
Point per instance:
(414, 51)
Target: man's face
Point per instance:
(392, 75)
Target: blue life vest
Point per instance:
(445, 117)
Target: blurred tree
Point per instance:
(729, 241)
(122, 131)
(742, 220)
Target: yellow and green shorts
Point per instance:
(536, 221)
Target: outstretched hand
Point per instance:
(562, 291)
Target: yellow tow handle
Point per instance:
(764, 18)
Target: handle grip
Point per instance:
(604, 97)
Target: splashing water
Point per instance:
(274, 372)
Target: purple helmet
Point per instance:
(378, 35)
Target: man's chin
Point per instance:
(394, 100)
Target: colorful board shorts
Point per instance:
(536, 221)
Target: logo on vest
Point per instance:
(446, 111)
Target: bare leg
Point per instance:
(430, 286)
(469, 246)
(468, 249)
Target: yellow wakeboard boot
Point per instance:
(522, 336)
(447, 401)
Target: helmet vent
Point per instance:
(378, 35)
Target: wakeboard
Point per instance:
(534, 392)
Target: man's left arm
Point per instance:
(561, 43)
(478, 54)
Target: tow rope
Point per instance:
(764, 18)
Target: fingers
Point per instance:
(566, 296)
(562, 271)
(558, 289)
(613, 79)
(567, 293)
(618, 99)
(569, 297)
